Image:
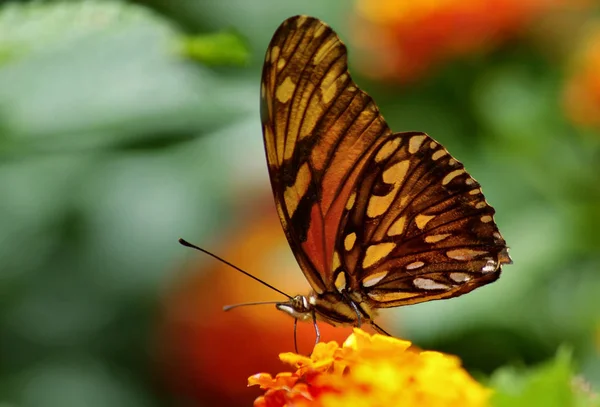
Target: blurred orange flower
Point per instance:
(204, 353)
(370, 370)
(581, 98)
(404, 39)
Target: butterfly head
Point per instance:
(299, 307)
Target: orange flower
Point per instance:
(581, 97)
(404, 39)
(370, 370)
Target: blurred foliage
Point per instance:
(551, 384)
(125, 125)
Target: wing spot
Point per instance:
(351, 201)
(374, 278)
(470, 181)
(392, 296)
(433, 145)
(378, 205)
(396, 173)
(285, 90)
(325, 48)
(415, 143)
(274, 54)
(422, 220)
(476, 191)
(490, 266)
(450, 176)
(397, 227)
(300, 21)
(293, 194)
(328, 92)
(336, 263)
(415, 265)
(280, 64)
(263, 90)
(340, 281)
(387, 150)
(486, 219)
(460, 277)
(349, 241)
(377, 252)
(464, 254)
(429, 284)
(319, 31)
(438, 154)
(481, 205)
(452, 161)
(437, 238)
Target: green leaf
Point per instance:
(37, 26)
(223, 48)
(87, 74)
(551, 384)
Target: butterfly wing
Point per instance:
(394, 212)
(417, 227)
(319, 132)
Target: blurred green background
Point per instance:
(126, 125)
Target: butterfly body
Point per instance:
(375, 219)
(336, 308)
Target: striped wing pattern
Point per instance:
(319, 131)
(393, 214)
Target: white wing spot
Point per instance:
(373, 279)
(464, 254)
(429, 284)
(460, 277)
(490, 266)
(415, 265)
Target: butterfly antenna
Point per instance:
(214, 256)
(243, 304)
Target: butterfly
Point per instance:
(375, 219)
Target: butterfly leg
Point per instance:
(317, 331)
(295, 335)
(354, 307)
(379, 329)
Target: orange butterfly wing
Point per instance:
(319, 131)
(355, 198)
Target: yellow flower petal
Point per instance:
(371, 370)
